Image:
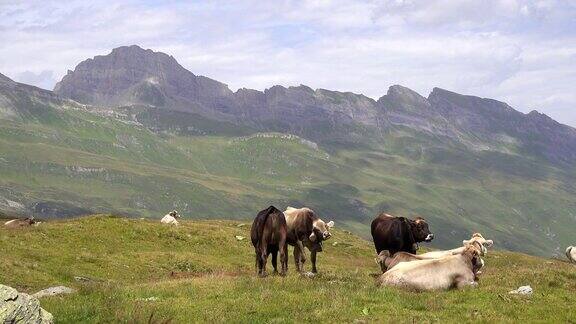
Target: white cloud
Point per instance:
(519, 51)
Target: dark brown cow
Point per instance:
(20, 222)
(399, 234)
(268, 236)
(305, 229)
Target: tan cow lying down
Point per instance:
(571, 253)
(385, 261)
(477, 240)
(15, 223)
(453, 271)
(171, 218)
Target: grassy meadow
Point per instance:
(200, 272)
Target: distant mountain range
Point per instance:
(133, 76)
(135, 133)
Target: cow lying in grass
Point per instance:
(571, 253)
(477, 240)
(387, 261)
(171, 218)
(453, 271)
(15, 223)
(305, 229)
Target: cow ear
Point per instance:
(489, 243)
(330, 224)
(312, 237)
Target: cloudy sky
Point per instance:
(519, 51)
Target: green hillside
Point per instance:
(199, 272)
(66, 162)
(60, 159)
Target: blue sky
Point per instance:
(522, 52)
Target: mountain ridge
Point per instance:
(131, 75)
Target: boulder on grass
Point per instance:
(18, 307)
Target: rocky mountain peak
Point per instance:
(402, 97)
(131, 75)
(5, 79)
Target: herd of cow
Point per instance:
(395, 239)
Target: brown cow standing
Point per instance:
(268, 236)
(399, 234)
(305, 229)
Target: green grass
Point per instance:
(132, 260)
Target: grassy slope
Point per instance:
(77, 159)
(133, 260)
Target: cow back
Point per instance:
(393, 234)
(300, 223)
(269, 222)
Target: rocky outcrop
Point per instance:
(494, 122)
(130, 75)
(16, 307)
(54, 291)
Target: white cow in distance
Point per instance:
(571, 253)
(171, 218)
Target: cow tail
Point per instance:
(262, 223)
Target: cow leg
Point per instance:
(313, 260)
(258, 264)
(462, 283)
(283, 258)
(302, 255)
(263, 260)
(275, 261)
(299, 257)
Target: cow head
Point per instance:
(421, 231)
(473, 254)
(321, 231)
(480, 242)
(30, 220)
(175, 214)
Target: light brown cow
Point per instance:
(477, 240)
(386, 261)
(306, 229)
(15, 223)
(453, 271)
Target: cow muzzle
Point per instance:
(326, 235)
(429, 237)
